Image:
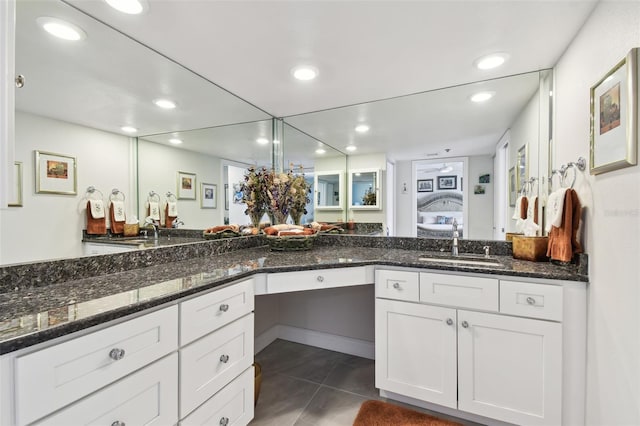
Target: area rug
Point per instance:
(380, 413)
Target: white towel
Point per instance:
(555, 207)
(517, 209)
(97, 208)
(531, 207)
(172, 209)
(118, 211)
(154, 210)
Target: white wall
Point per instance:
(158, 167)
(369, 161)
(479, 223)
(611, 220)
(404, 199)
(49, 226)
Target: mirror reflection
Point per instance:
(328, 192)
(364, 189)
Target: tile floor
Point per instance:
(304, 385)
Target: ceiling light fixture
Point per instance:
(482, 96)
(305, 73)
(165, 103)
(175, 141)
(262, 141)
(362, 128)
(320, 151)
(445, 168)
(61, 29)
(351, 148)
(128, 129)
(491, 61)
(130, 7)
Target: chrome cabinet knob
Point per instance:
(224, 421)
(224, 307)
(20, 80)
(396, 285)
(449, 321)
(117, 423)
(224, 358)
(116, 354)
(531, 300)
(465, 324)
(320, 278)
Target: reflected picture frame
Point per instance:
(16, 201)
(56, 173)
(447, 182)
(522, 167)
(614, 117)
(425, 185)
(208, 195)
(226, 196)
(186, 186)
(512, 187)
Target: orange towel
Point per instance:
(524, 206)
(95, 226)
(168, 220)
(116, 227)
(563, 240)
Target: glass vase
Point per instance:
(255, 218)
(296, 216)
(278, 217)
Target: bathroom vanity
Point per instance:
(174, 342)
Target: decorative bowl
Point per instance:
(291, 242)
(227, 233)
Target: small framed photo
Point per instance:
(226, 196)
(479, 189)
(486, 178)
(614, 117)
(447, 182)
(186, 186)
(425, 185)
(56, 173)
(208, 195)
(16, 200)
(512, 187)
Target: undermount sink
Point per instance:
(461, 259)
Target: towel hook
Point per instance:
(170, 195)
(114, 194)
(92, 190)
(153, 196)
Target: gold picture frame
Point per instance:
(614, 117)
(17, 185)
(56, 173)
(186, 186)
(522, 167)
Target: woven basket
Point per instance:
(291, 242)
(227, 233)
(530, 248)
(131, 229)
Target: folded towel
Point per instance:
(168, 217)
(153, 210)
(532, 208)
(563, 240)
(97, 209)
(95, 226)
(118, 211)
(555, 207)
(172, 208)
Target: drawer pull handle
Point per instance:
(224, 421)
(396, 285)
(531, 300)
(116, 355)
(224, 307)
(449, 321)
(320, 278)
(465, 324)
(117, 423)
(224, 358)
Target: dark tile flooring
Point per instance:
(305, 385)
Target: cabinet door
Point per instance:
(416, 351)
(510, 368)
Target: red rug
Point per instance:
(379, 413)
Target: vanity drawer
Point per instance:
(148, 397)
(51, 378)
(531, 300)
(206, 366)
(459, 291)
(318, 279)
(234, 403)
(399, 285)
(204, 314)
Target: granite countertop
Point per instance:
(30, 315)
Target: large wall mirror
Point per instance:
(77, 99)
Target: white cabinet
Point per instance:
(499, 365)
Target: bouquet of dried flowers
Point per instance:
(369, 198)
(300, 197)
(254, 193)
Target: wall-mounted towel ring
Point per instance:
(171, 197)
(153, 196)
(555, 172)
(115, 193)
(91, 191)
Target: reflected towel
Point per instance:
(532, 208)
(118, 211)
(97, 209)
(154, 210)
(172, 209)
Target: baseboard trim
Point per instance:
(347, 345)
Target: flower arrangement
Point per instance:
(369, 198)
(254, 193)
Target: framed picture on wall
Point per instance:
(425, 185)
(56, 173)
(186, 186)
(522, 169)
(16, 200)
(614, 117)
(208, 195)
(226, 196)
(512, 187)
(447, 182)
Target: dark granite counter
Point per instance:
(32, 314)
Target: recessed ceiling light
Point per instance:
(61, 29)
(491, 61)
(351, 148)
(128, 129)
(131, 7)
(305, 73)
(276, 141)
(362, 128)
(482, 96)
(320, 151)
(175, 141)
(165, 103)
(262, 141)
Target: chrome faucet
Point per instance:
(454, 242)
(148, 221)
(176, 222)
